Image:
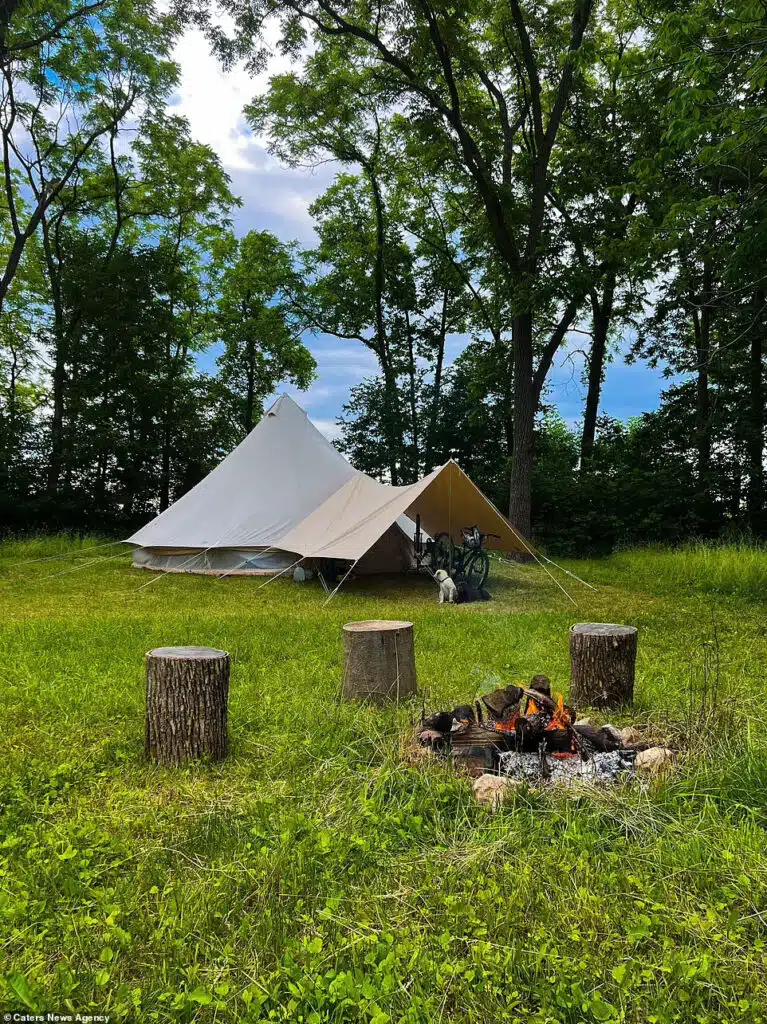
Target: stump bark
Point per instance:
(187, 697)
(603, 659)
(379, 661)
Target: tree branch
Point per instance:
(31, 44)
(552, 345)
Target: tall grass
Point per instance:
(719, 570)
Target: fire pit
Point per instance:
(526, 734)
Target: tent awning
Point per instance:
(362, 510)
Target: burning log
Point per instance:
(603, 659)
(596, 739)
(502, 703)
(541, 685)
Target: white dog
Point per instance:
(447, 589)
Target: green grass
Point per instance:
(318, 875)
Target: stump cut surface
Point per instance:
(187, 653)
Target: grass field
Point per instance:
(319, 876)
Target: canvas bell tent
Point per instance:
(234, 519)
(286, 496)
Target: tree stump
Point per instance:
(602, 658)
(379, 660)
(187, 697)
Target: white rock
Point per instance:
(493, 789)
(583, 721)
(630, 735)
(654, 760)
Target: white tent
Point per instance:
(233, 519)
(286, 495)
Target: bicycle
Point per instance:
(469, 562)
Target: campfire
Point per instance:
(529, 734)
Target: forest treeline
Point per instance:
(529, 175)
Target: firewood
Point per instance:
(500, 702)
(542, 684)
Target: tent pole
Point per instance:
(450, 506)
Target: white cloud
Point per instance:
(212, 100)
(275, 197)
(329, 428)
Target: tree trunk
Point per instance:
(391, 418)
(61, 346)
(520, 498)
(435, 402)
(379, 661)
(187, 695)
(702, 319)
(167, 420)
(250, 396)
(165, 464)
(603, 659)
(602, 314)
(7, 10)
(413, 402)
(12, 397)
(755, 497)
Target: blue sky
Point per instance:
(277, 198)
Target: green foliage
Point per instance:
(319, 875)
(72, 75)
(260, 334)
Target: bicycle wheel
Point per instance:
(478, 569)
(442, 553)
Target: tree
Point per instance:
(709, 61)
(331, 111)
(485, 90)
(188, 201)
(72, 73)
(256, 322)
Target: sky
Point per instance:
(277, 198)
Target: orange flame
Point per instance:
(507, 726)
(561, 719)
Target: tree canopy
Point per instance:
(519, 181)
